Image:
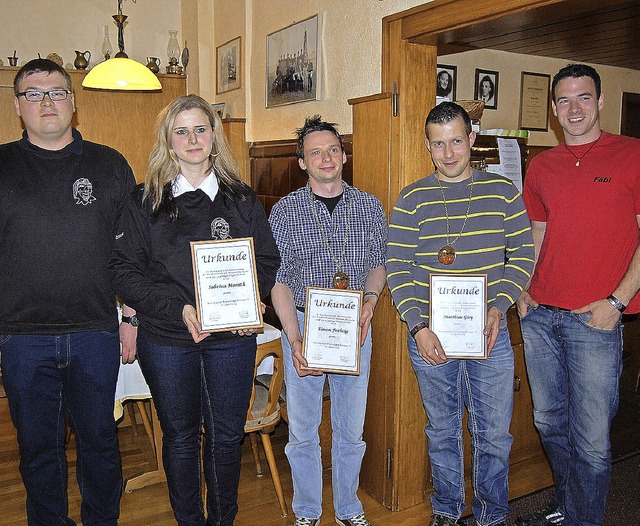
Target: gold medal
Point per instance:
(340, 281)
(446, 255)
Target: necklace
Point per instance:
(447, 254)
(578, 159)
(340, 279)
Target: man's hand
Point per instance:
(365, 320)
(604, 316)
(492, 328)
(128, 337)
(190, 319)
(525, 300)
(299, 361)
(429, 347)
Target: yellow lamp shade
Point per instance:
(121, 74)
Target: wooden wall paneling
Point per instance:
(10, 123)
(124, 120)
(234, 130)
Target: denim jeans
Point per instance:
(574, 370)
(209, 383)
(304, 408)
(485, 387)
(44, 377)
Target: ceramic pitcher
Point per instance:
(82, 59)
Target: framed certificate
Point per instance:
(534, 101)
(331, 341)
(226, 285)
(458, 313)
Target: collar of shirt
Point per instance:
(209, 186)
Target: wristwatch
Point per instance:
(131, 320)
(616, 303)
(419, 327)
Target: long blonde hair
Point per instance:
(163, 163)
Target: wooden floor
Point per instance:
(258, 505)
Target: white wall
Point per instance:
(63, 26)
(351, 59)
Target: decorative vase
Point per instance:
(82, 59)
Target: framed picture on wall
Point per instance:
(534, 101)
(229, 66)
(446, 78)
(219, 108)
(293, 65)
(486, 88)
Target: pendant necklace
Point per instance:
(340, 279)
(447, 254)
(578, 159)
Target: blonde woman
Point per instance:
(191, 193)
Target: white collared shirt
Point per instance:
(209, 186)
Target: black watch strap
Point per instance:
(616, 303)
(417, 328)
(131, 320)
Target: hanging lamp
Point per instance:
(121, 74)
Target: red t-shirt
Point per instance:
(590, 211)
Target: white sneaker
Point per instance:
(358, 520)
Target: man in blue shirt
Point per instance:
(329, 234)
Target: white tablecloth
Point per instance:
(132, 386)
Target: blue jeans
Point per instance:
(574, 370)
(44, 377)
(209, 383)
(485, 387)
(304, 408)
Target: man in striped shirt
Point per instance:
(460, 221)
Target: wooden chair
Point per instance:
(264, 412)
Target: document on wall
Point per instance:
(510, 161)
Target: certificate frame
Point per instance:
(331, 341)
(226, 285)
(534, 101)
(458, 313)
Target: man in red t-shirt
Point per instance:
(583, 198)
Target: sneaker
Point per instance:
(302, 521)
(358, 520)
(549, 516)
(441, 520)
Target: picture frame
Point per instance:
(446, 80)
(219, 108)
(534, 101)
(229, 66)
(293, 72)
(331, 340)
(486, 88)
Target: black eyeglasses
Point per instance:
(56, 95)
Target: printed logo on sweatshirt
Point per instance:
(219, 229)
(83, 192)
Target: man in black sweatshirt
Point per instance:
(60, 198)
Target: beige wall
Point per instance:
(350, 58)
(510, 66)
(62, 26)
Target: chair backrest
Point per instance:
(264, 409)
